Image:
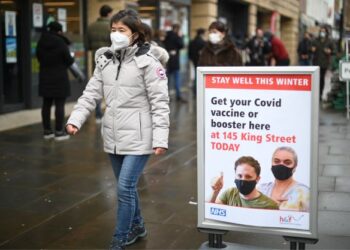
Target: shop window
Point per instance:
(66, 12)
(69, 14)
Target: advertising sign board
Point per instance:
(344, 71)
(258, 149)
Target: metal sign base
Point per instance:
(215, 241)
(233, 246)
(214, 236)
(297, 243)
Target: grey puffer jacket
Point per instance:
(135, 89)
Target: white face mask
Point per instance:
(119, 41)
(215, 38)
(322, 34)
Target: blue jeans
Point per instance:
(127, 170)
(174, 76)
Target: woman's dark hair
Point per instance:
(147, 30)
(220, 26)
(130, 18)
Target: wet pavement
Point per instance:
(61, 195)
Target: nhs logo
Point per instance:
(218, 211)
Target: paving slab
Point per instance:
(336, 170)
(326, 183)
(342, 184)
(334, 201)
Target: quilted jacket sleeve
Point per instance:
(157, 90)
(87, 102)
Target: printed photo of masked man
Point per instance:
(244, 194)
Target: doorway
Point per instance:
(11, 84)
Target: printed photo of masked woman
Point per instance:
(285, 190)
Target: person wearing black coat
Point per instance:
(173, 43)
(194, 49)
(304, 50)
(258, 48)
(54, 58)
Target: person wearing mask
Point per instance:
(173, 44)
(304, 50)
(194, 49)
(134, 86)
(285, 190)
(160, 53)
(245, 194)
(54, 86)
(322, 49)
(219, 50)
(258, 49)
(98, 37)
(279, 54)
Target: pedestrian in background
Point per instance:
(159, 37)
(322, 48)
(136, 120)
(219, 50)
(258, 48)
(98, 37)
(160, 53)
(54, 86)
(279, 55)
(173, 43)
(194, 49)
(304, 50)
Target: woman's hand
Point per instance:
(71, 129)
(159, 151)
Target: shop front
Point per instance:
(11, 50)
(161, 15)
(21, 25)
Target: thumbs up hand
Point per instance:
(218, 182)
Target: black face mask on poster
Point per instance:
(245, 187)
(281, 172)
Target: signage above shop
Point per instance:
(184, 2)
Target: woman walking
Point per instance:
(136, 121)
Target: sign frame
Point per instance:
(341, 67)
(203, 223)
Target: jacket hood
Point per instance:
(126, 54)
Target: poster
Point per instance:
(11, 50)
(62, 18)
(258, 148)
(37, 15)
(10, 23)
(147, 21)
